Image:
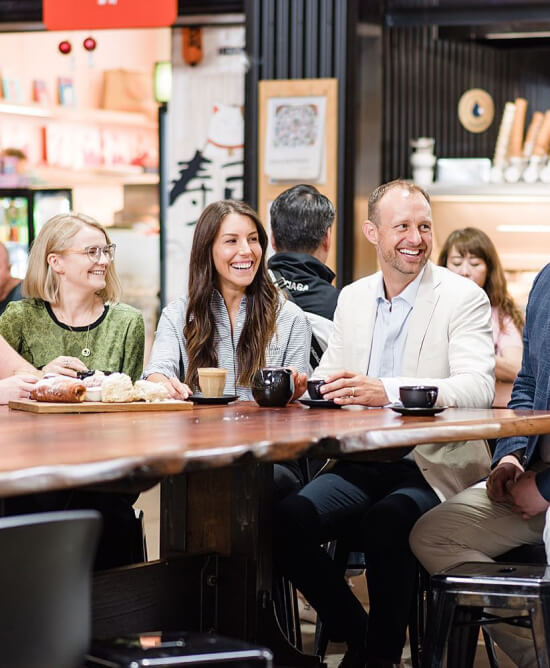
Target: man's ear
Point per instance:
(326, 240)
(370, 231)
(273, 245)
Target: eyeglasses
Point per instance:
(94, 253)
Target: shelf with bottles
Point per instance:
(80, 115)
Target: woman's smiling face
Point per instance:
(236, 252)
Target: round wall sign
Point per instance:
(476, 110)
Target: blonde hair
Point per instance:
(41, 282)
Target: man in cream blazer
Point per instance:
(410, 323)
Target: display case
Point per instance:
(23, 211)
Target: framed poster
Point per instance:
(297, 142)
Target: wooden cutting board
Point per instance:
(97, 406)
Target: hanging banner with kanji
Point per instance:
(94, 14)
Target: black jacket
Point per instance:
(308, 280)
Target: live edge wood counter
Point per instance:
(45, 452)
(215, 571)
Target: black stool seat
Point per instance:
(460, 594)
(173, 648)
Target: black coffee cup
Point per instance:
(314, 388)
(418, 396)
(272, 386)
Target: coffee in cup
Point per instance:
(418, 396)
(212, 381)
(314, 387)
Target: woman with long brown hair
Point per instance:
(470, 253)
(233, 317)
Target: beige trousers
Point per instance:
(471, 527)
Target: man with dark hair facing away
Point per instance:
(301, 227)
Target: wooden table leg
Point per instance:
(228, 512)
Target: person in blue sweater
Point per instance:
(508, 509)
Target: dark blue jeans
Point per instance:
(372, 507)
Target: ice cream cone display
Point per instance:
(515, 144)
(543, 137)
(503, 137)
(532, 132)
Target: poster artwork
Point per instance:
(215, 171)
(295, 138)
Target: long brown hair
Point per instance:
(261, 305)
(477, 243)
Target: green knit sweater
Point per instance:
(116, 340)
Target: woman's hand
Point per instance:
(65, 366)
(16, 387)
(176, 389)
(347, 388)
(508, 364)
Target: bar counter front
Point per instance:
(216, 469)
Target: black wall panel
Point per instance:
(302, 39)
(423, 79)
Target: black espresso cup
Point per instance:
(272, 386)
(418, 396)
(314, 387)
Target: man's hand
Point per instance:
(300, 383)
(507, 470)
(176, 389)
(525, 497)
(347, 388)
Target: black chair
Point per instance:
(45, 583)
(516, 582)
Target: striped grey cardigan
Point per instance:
(289, 347)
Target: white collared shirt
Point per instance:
(390, 335)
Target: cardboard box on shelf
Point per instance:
(128, 90)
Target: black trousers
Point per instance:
(372, 507)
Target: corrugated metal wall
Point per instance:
(296, 39)
(424, 78)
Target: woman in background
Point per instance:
(233, 316)
(470, 253)
(70, 321)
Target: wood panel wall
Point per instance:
(423, 79)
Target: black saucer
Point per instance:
(319, 403)
(405, 410)
(224, 399)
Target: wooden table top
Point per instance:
(54, 451)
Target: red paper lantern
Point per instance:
(65, 47)
(89, 44)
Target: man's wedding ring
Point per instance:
(352, 391)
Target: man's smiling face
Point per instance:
(403, 236)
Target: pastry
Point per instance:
(117, 388)
(58, 389)
(145, 390)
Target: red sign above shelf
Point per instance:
(95, 14)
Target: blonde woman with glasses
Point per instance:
(70, 321)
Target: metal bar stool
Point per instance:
(459, 596)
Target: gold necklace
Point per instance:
(85, 352)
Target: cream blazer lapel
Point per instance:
(422, 313)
